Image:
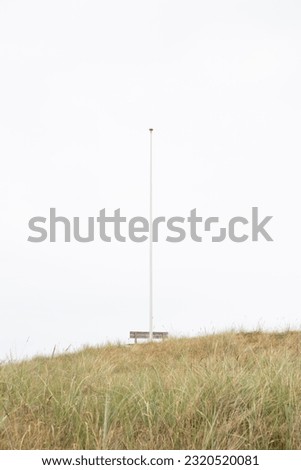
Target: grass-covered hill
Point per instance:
(226, 391)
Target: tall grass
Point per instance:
(226, 391)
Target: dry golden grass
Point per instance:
(226, 391)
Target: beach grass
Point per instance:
(222, 391)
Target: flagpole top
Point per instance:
(151, 130)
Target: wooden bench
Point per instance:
(145, 335)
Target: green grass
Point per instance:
(226, 391)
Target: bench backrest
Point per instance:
(145, 334)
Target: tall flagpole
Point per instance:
(151, 235)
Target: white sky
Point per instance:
(80, 84)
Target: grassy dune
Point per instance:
(227, 391)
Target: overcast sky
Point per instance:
(80, 84)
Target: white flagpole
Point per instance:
(151, 236)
